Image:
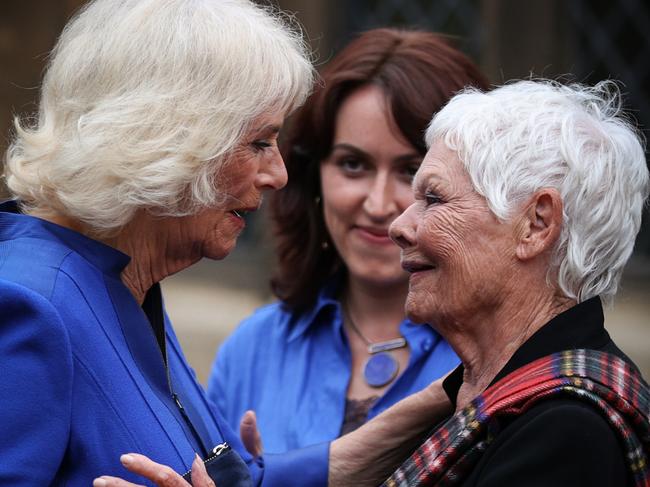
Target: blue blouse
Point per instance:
(82, 377)
(299, 368)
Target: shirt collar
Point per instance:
(581, 326)
(326, 302)
(14, 224)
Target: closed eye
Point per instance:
(432, 198)
(262, 144)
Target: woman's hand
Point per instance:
(250, 435)
(355, 459)
(367, 456)
(161, 475)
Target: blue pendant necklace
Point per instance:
(381, 367)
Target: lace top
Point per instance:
(356, 413)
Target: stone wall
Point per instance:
(28, 30)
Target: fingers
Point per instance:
(161, 475)
(250, 435)
(108, 481)
(200, 477)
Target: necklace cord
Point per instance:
(377, 347)
(381, 367)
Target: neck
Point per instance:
(146, 240)
(61, 220)
(486, 341)
(377, 310)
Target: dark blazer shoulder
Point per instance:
(559, 442)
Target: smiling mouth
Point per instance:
(376, 232)
(374, 236)
(412, 267)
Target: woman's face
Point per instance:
(254, 165)
(460, 257)
(365, 184)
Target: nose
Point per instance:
(403, 229)
(380, 204)
(272, 174)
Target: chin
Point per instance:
(380, 277)
(416, 318)
(220, 252)
(216, 256)
(414, 312)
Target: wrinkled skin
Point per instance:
(462, 256)
(481, 282)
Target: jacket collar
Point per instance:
(581, 326)
(14, 224)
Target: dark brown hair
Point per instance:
(418, 72)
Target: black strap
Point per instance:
(153, 309)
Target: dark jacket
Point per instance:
(560, 442)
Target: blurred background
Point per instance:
(578, 40)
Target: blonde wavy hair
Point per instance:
(142, 102)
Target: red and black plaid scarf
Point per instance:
(601, 379)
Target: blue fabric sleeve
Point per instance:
(305, 467)
(280, 470)
(216, 387)
(36, 385)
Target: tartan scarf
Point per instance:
(605, 381)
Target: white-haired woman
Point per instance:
(527, 206)
(156, 131)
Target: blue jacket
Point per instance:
(82, 378)
(299, 368)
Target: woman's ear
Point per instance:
(541, 223)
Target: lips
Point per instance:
(374, 235)
(242, 212)
(413, 266)
(377, 232)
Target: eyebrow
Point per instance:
(270, 129)
(354, 149)
(427, 179)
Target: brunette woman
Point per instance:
(336, 349)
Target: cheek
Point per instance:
(495, 255)
(404, 197)
(441, 236)
(238, 175)
(332, 221)
(341, 196)
(333, 213)
(240, 185)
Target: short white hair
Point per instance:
(529, 135)
(143, 100)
